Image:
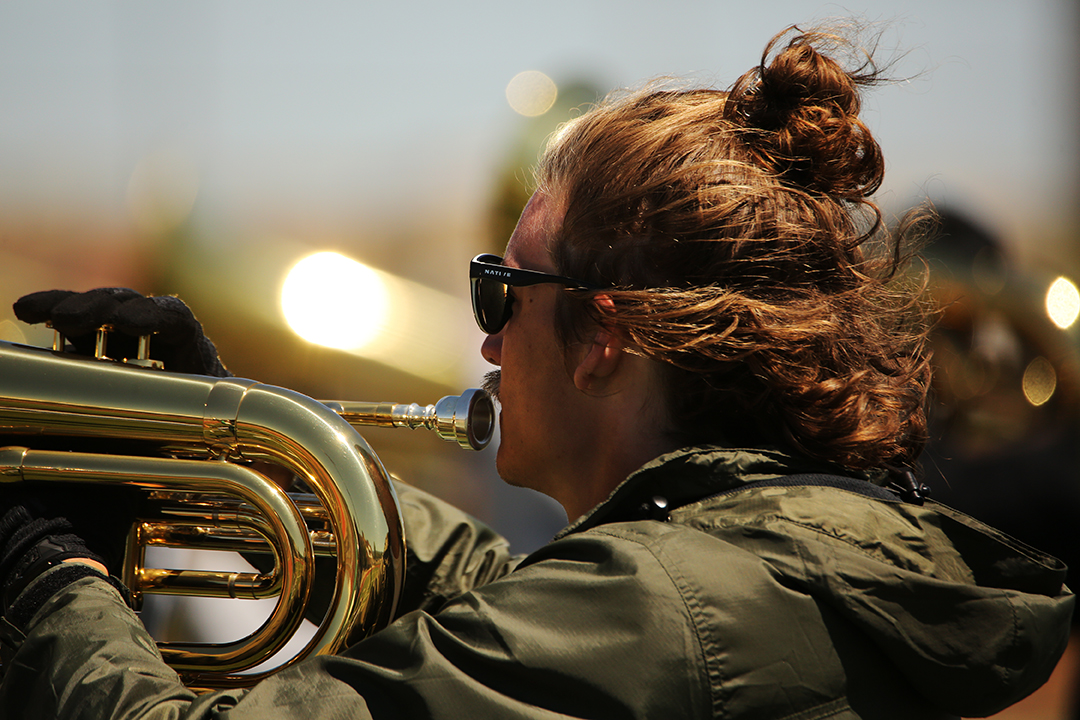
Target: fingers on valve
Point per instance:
(167, 316)
(38, 307)
(73, 314)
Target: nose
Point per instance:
(491, 349)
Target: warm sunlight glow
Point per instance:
(334, 301)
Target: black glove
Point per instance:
(99, 514)
(178, 339)
(30, 545)
(43, 524)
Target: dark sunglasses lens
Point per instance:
(489, 304)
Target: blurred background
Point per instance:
(206, 149)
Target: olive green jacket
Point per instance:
(764, 602)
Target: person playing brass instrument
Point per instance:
(703, 360)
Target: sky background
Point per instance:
(341, 113)
(202, 147)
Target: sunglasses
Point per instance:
(491, 301)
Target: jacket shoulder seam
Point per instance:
(714, 677)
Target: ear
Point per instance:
(604, 355)
(600, 362)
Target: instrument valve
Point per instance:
(142, 354)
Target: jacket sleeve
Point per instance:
(447, 551)
(512, 648)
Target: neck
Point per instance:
(606, 472)
(628, 429)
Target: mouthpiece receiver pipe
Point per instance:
(467, 419)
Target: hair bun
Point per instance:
(800, 113)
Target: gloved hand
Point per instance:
(35, 538)
(178, 339)
(29, 545)
(100, 514)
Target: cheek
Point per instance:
(530, 359)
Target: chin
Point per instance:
(504, 468)
(508, 471)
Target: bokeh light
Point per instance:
(334, 301)
(1063, 302)
(319, 297)
(531, 93)
(1040, 381)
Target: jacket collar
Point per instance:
(690, 474)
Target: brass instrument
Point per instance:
(206, 438)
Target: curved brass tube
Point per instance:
(206, 426)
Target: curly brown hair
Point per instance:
(733, 229)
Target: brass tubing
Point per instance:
(208, 497)
(56, 394)
(467, 419)
(207, 537)
(18, 464)
(211, 584)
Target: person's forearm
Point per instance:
(84, 654)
